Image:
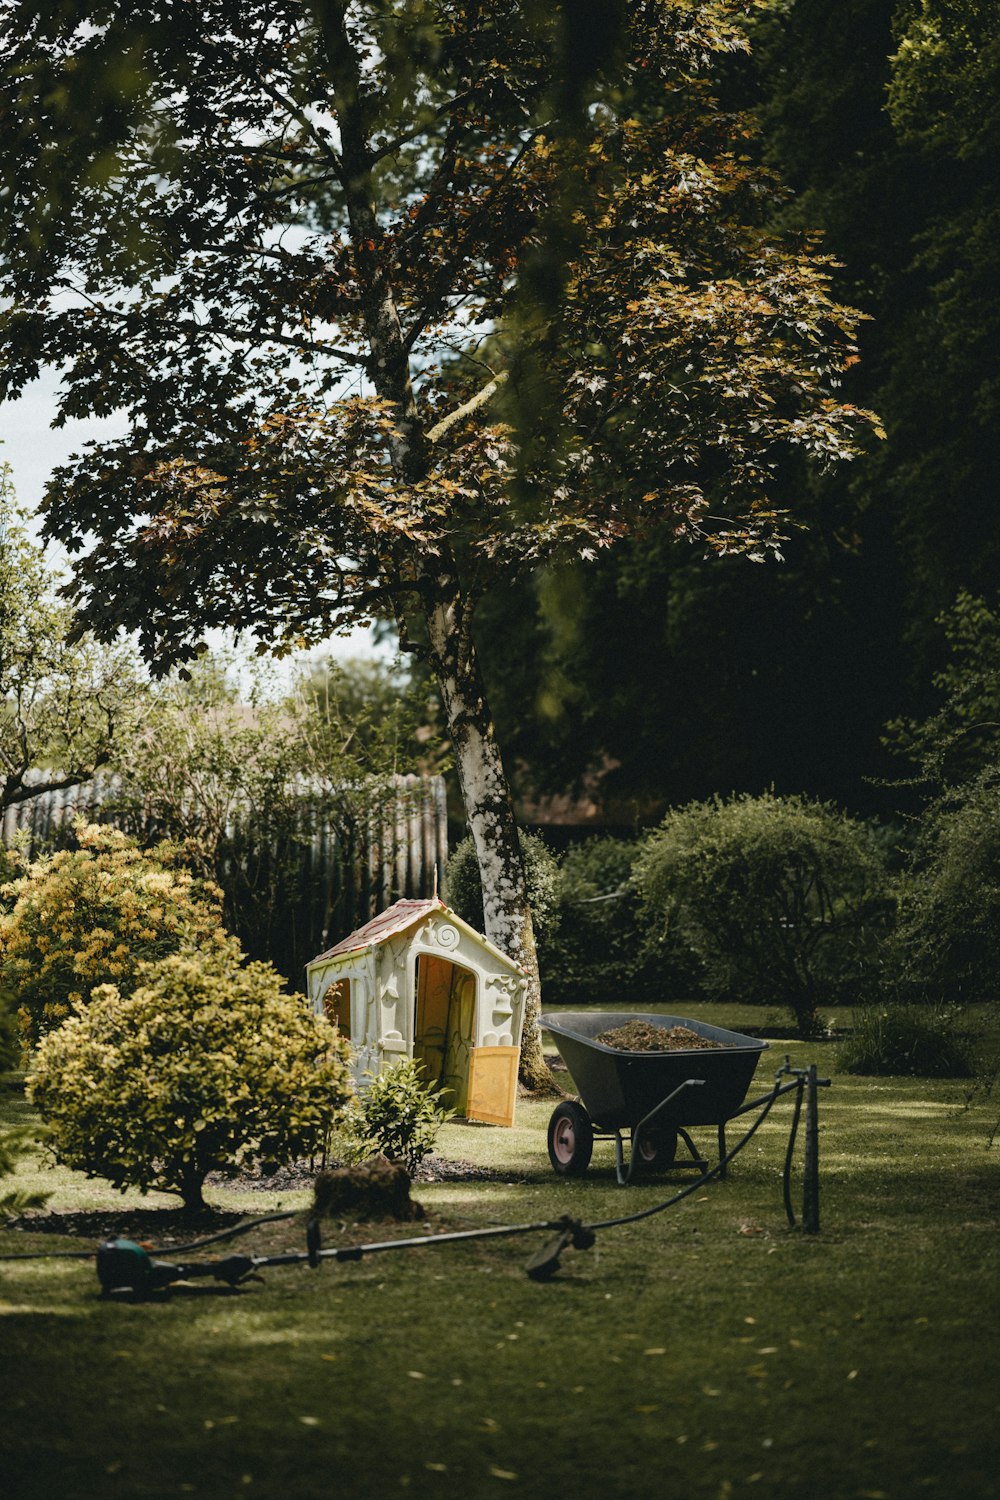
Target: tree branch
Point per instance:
(290, 341)
(391, 147)
(15, 791)
(445, 275)
(300, 115)
(481, 397)
(192, 330)
(300, 183)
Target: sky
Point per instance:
(33, 449)
(30, 445)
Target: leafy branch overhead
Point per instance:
(297, 242)
(401, 300)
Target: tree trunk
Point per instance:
(191, 1185)
(488, 804)
(490, 812)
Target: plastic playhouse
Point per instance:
(417, 981)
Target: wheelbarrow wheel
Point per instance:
(571, 1139)
(655, 1148)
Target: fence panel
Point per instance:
(326, 878)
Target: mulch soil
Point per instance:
(171, 1226)
(643, 1036)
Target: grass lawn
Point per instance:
(706, 1352)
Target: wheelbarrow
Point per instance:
(654, 1096)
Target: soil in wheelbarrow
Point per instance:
(643, 1036)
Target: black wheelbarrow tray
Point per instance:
(654, 1096)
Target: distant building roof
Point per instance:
(395, 918)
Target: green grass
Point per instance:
(706, 1352)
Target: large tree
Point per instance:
(62, 705)
(401, 299)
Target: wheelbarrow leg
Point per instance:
(723, 1169)
(697, 1160)
(621, 1173)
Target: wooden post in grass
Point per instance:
(810, 1182)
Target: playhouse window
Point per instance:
(337, 1005)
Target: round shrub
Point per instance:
(206, 1066)
(90, 916)
(947, 943)
(781, 899)
(541, 871)
(905, 1039)
(398, 1116)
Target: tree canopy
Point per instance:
(401, 300)
(274, 201)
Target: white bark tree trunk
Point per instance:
(489, 810)
(485, 790)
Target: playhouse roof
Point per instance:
(396, 918)
(399, 917)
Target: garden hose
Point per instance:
(764, 1104)
(124, 1265)
(211, 1239)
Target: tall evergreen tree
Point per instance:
(884, 117)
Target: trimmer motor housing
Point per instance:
(125, 1266)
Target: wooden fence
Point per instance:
(286, 902)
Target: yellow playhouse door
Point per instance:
(493, 1085)
(445, 1026)
(435, 977)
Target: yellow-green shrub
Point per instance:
(400, 1115)
(81, 918)
(206, 1066)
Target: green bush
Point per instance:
(602, 948)
(91, 916)
(781, 899)
(398, 1115)
(541, 870)
(947, 944)
(205, 1067)
(906, 1039)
